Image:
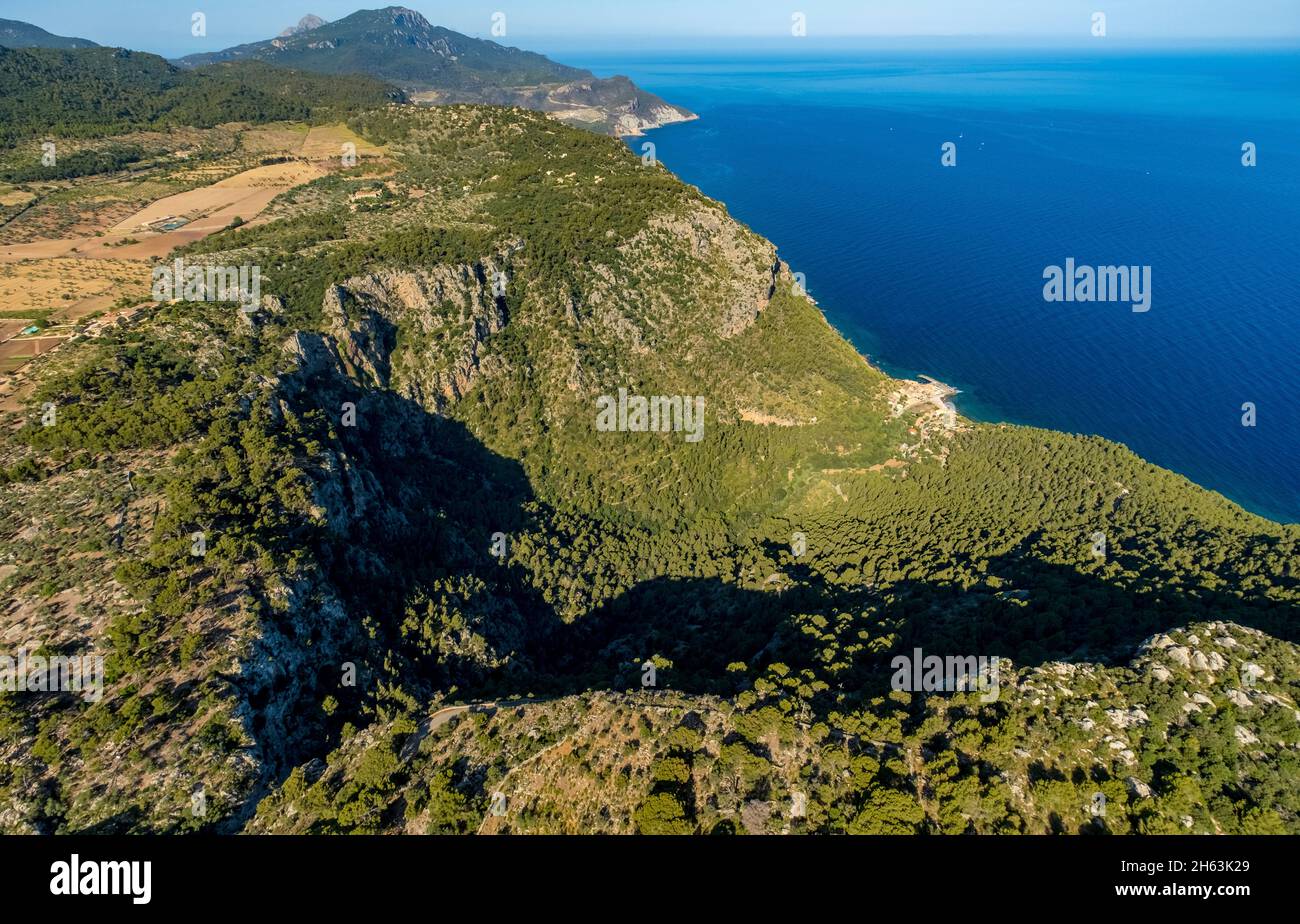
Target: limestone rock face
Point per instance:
(751, 282)
(730, 273)
(418, 332)
(306, 24)
(311, 354)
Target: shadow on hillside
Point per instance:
(415, 501)
(428, 497)
(412, 501)
(702, 626)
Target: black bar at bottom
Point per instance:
(335, 874)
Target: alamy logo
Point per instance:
(655, 414)
(55, 674)
(105, 877)
(206, 283)
(1098, 284)
(922, 673)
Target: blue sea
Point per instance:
(1108, 157)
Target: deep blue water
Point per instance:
(1110, 158)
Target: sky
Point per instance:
(164, 26)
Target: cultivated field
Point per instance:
(204, 211)
(68, 289)
(325, 142)
(86, 247)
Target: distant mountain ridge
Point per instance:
(438, 65)
(398, 44)
(16, 34)
(102, 91)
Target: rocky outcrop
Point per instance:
(732, 275)
(306, 24)
(419, 332)
(626, 109)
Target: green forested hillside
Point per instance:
(16, 34)
(400, 45)
(94, 92)
(419, 391)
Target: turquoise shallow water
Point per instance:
(1109, 158)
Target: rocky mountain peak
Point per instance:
(402, 17)
(306, 24)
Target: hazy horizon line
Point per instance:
(722, 44)
(776, 42)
